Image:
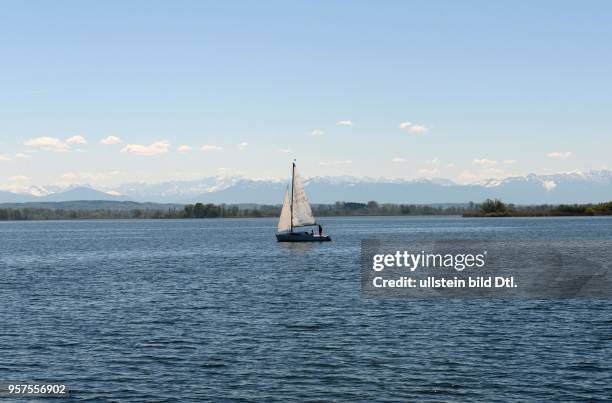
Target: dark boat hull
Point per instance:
(301, 237)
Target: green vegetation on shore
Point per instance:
(200, 210)
(497, 208)
(131, 210)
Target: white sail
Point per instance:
(284, 223)
(302, 214)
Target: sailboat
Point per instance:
(296, 213)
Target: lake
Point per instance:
(192, 310)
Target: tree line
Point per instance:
(488, 208)
(497, 208)
(201, 210)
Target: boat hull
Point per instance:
(301, 237)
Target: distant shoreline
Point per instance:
(328, 216)
(497, 208)
(532, 214)
(89, 210)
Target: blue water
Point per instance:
(192, 310)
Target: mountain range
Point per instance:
(574, 187)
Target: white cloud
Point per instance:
(427, 173)
(509, 162)
(559, 154)
(4, 157)
(243, 145)
(184, 149)
(398, 160)
(210, 147)
(489, 173)
(549, 185)
(19, 178)
(69, 175)
(43, 141)
(76, 140)
(285, 150)
(419, 129)
(413, 128)
(88, 176)
(469, 176)
(20, 156)
(433, 161)
(110, 140)
(485, 163)
(156, 148)
(317, 132)
(344, 123)
(342, 162)
(450, 165)
(47, 143)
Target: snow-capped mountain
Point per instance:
(189, 191)
(82, 193)
(570, 187)
(59, 194)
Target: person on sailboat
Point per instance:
(320, 230)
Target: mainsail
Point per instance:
(284, 223)
(302, 214)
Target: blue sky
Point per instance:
(461, 90)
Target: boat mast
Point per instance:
(291, 205)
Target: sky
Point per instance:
(121, 91)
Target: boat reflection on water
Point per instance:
(297, 247)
